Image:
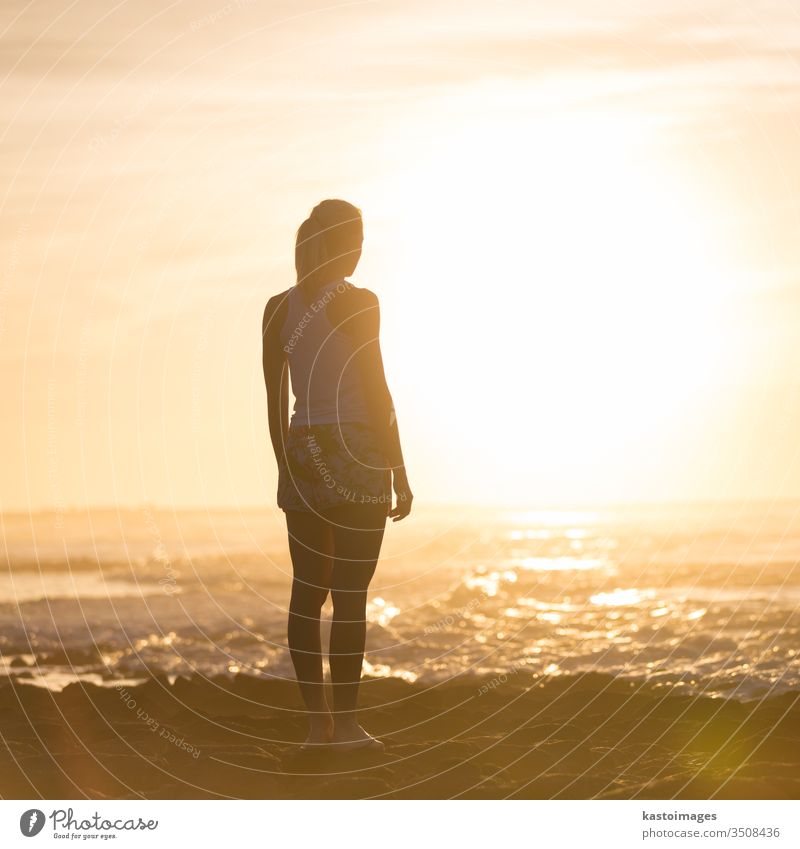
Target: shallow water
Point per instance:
(699, 598)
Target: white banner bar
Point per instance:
(399, 825)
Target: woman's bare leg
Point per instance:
(311, 547)
(357, 537)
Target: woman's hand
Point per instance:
(403, 494)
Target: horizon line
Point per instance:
(434, 504)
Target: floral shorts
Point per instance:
(332, 464)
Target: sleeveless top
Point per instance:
(324, 376)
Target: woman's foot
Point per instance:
(320, 731)
(349, 735)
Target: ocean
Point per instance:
(700, 598)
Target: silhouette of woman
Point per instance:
(338, 459)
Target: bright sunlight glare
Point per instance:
(572, 272)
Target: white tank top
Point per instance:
(325, 380)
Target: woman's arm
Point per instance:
(273, 360)
(358, 313)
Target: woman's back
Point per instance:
(336, 464)
(325, 379)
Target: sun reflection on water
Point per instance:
(560, 564)
(620, 597)
(381, 611)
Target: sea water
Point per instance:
(696, 598)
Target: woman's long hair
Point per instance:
(328, 244)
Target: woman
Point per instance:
(338, 459)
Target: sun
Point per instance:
(565, 268)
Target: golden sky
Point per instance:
(582, 221)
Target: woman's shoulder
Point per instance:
(275, 312)
(354, 302)
(361, 296)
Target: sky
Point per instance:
(581, 220)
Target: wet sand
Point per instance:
(590, 736)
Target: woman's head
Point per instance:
(328, 245)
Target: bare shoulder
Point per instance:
(352, 306)
(274, 312)
(363, 297)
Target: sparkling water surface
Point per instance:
(696, 598)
